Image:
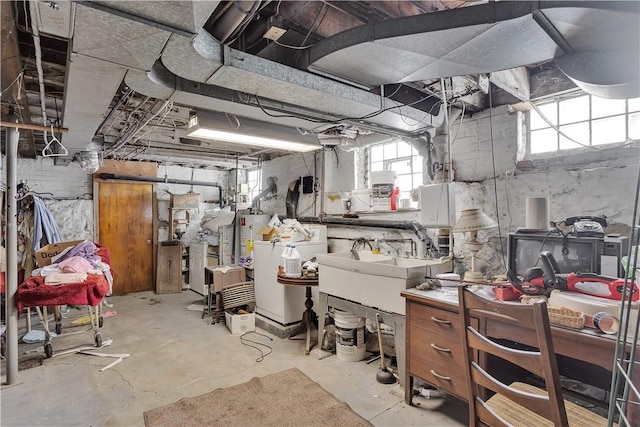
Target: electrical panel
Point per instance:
(307, 184)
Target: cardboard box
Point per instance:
(185, 201)
(268, 233)
(226, 275)
(43, 255)
(238, 324)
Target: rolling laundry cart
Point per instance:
(34, 292)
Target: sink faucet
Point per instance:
(355, 254)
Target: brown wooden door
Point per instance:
(125, 221)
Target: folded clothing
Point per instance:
(61, 278)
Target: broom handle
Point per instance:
(380, 342)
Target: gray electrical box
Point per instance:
(615, 247)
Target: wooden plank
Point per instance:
(127, 168)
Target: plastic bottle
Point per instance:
(283, 260)
(375, 247)
(395, 198)
(293, 265)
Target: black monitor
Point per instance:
(573, 254)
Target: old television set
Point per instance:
(573, 253)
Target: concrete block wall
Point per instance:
(472, 150)
(286, 170)
(68, 193)
(43, 176)
(595, 182)
(66, 190)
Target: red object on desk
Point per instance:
(506, 292)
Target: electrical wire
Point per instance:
(459, 124)
(506, 192)
(292, 47)
(305, 163)
(366, 116)
(495, 184)
(244, 341)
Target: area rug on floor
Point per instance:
(287, 398)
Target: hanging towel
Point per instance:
(43, 224)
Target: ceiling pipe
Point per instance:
(271, 188)
(162, 180)
(233, 18)
(217, 185)
(35, 19)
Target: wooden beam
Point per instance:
(29, 126)
(11, 81)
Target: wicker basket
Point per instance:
(565, 317)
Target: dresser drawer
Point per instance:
(430, 320)
(435, 348)
(439, 360)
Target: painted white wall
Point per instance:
(286, 170)
(592, 183)
(68, 193)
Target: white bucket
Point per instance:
(361, 200)
(350, 345)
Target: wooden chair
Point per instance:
(516, 404)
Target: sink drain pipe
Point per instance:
(414, 226)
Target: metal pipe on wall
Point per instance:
(11, 275)
(414, 226)
(164, 180)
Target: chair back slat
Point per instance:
(541, 362)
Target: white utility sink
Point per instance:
(375, 280)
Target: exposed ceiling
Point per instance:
(124, 77)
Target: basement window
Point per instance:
(402, 158)
(580, 121)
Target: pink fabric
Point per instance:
(77, 264)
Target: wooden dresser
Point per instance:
(433, 343)
(434, 350)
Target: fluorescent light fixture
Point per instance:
(217, 131)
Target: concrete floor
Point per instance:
(176, 354)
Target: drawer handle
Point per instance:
(444, 350)
(442, 377)
(444, 322)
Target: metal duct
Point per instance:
(414, 226)
(106, 45)
(292, 198)
(271, 188)
(232, 18)
(478, 39)
(613, 74)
